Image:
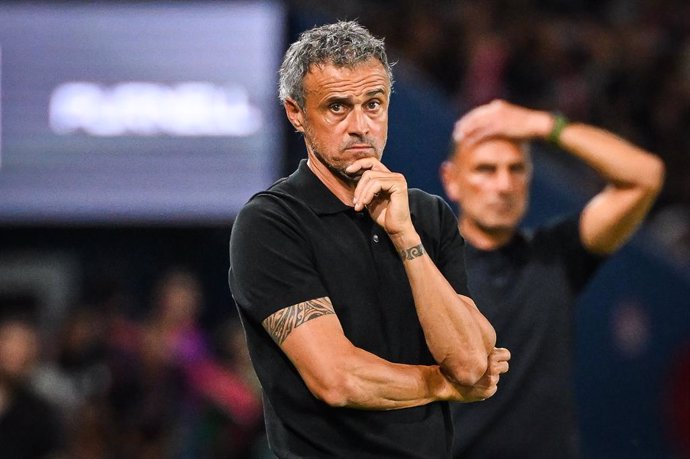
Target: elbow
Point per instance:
(334, 390)
(468, 371)
(655, 174)
(334, 397)
(470, 365)
(485, 329)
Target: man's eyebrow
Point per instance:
(375, 92)
(338, 99)
(348, 99)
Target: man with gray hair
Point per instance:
(351, 287)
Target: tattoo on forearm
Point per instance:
(412, 252)
(280, 324)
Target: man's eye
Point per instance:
(486, 169)
(336, 107)
(374, 104)
(520, 169)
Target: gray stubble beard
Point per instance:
(340, 173)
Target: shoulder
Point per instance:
(422, 202)
(275, 200)
(269, 214)
(430, 210)
(434, 219)
(421, 195)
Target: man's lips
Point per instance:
(501, 206)
(359, 147)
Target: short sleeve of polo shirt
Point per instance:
(270, 265)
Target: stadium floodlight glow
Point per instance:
(187, 109)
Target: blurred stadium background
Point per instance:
(132, 132)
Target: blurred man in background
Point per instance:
(527, 283)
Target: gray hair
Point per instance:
(343, 44)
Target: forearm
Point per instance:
(619, 162)
(457, 334)
(343, 375)
(369, 382)
(634, 179)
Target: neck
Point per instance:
(484, 239)
(342, 189)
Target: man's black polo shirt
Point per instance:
(296, 242)
(527, 289)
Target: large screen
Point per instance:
(144, 112)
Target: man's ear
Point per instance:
(295, 114)
(450, 185)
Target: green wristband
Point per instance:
(559, 122)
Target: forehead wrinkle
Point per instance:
(337, 82)
(345, 90)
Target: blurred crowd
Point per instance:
(620, 64)
(107, 386)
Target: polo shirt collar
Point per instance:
(314, 193)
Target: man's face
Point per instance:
(345, 114)
(490, 181)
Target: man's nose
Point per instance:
(358, 122)
(504, 181)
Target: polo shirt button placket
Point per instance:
(376, 238)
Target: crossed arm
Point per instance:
(343, 375)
